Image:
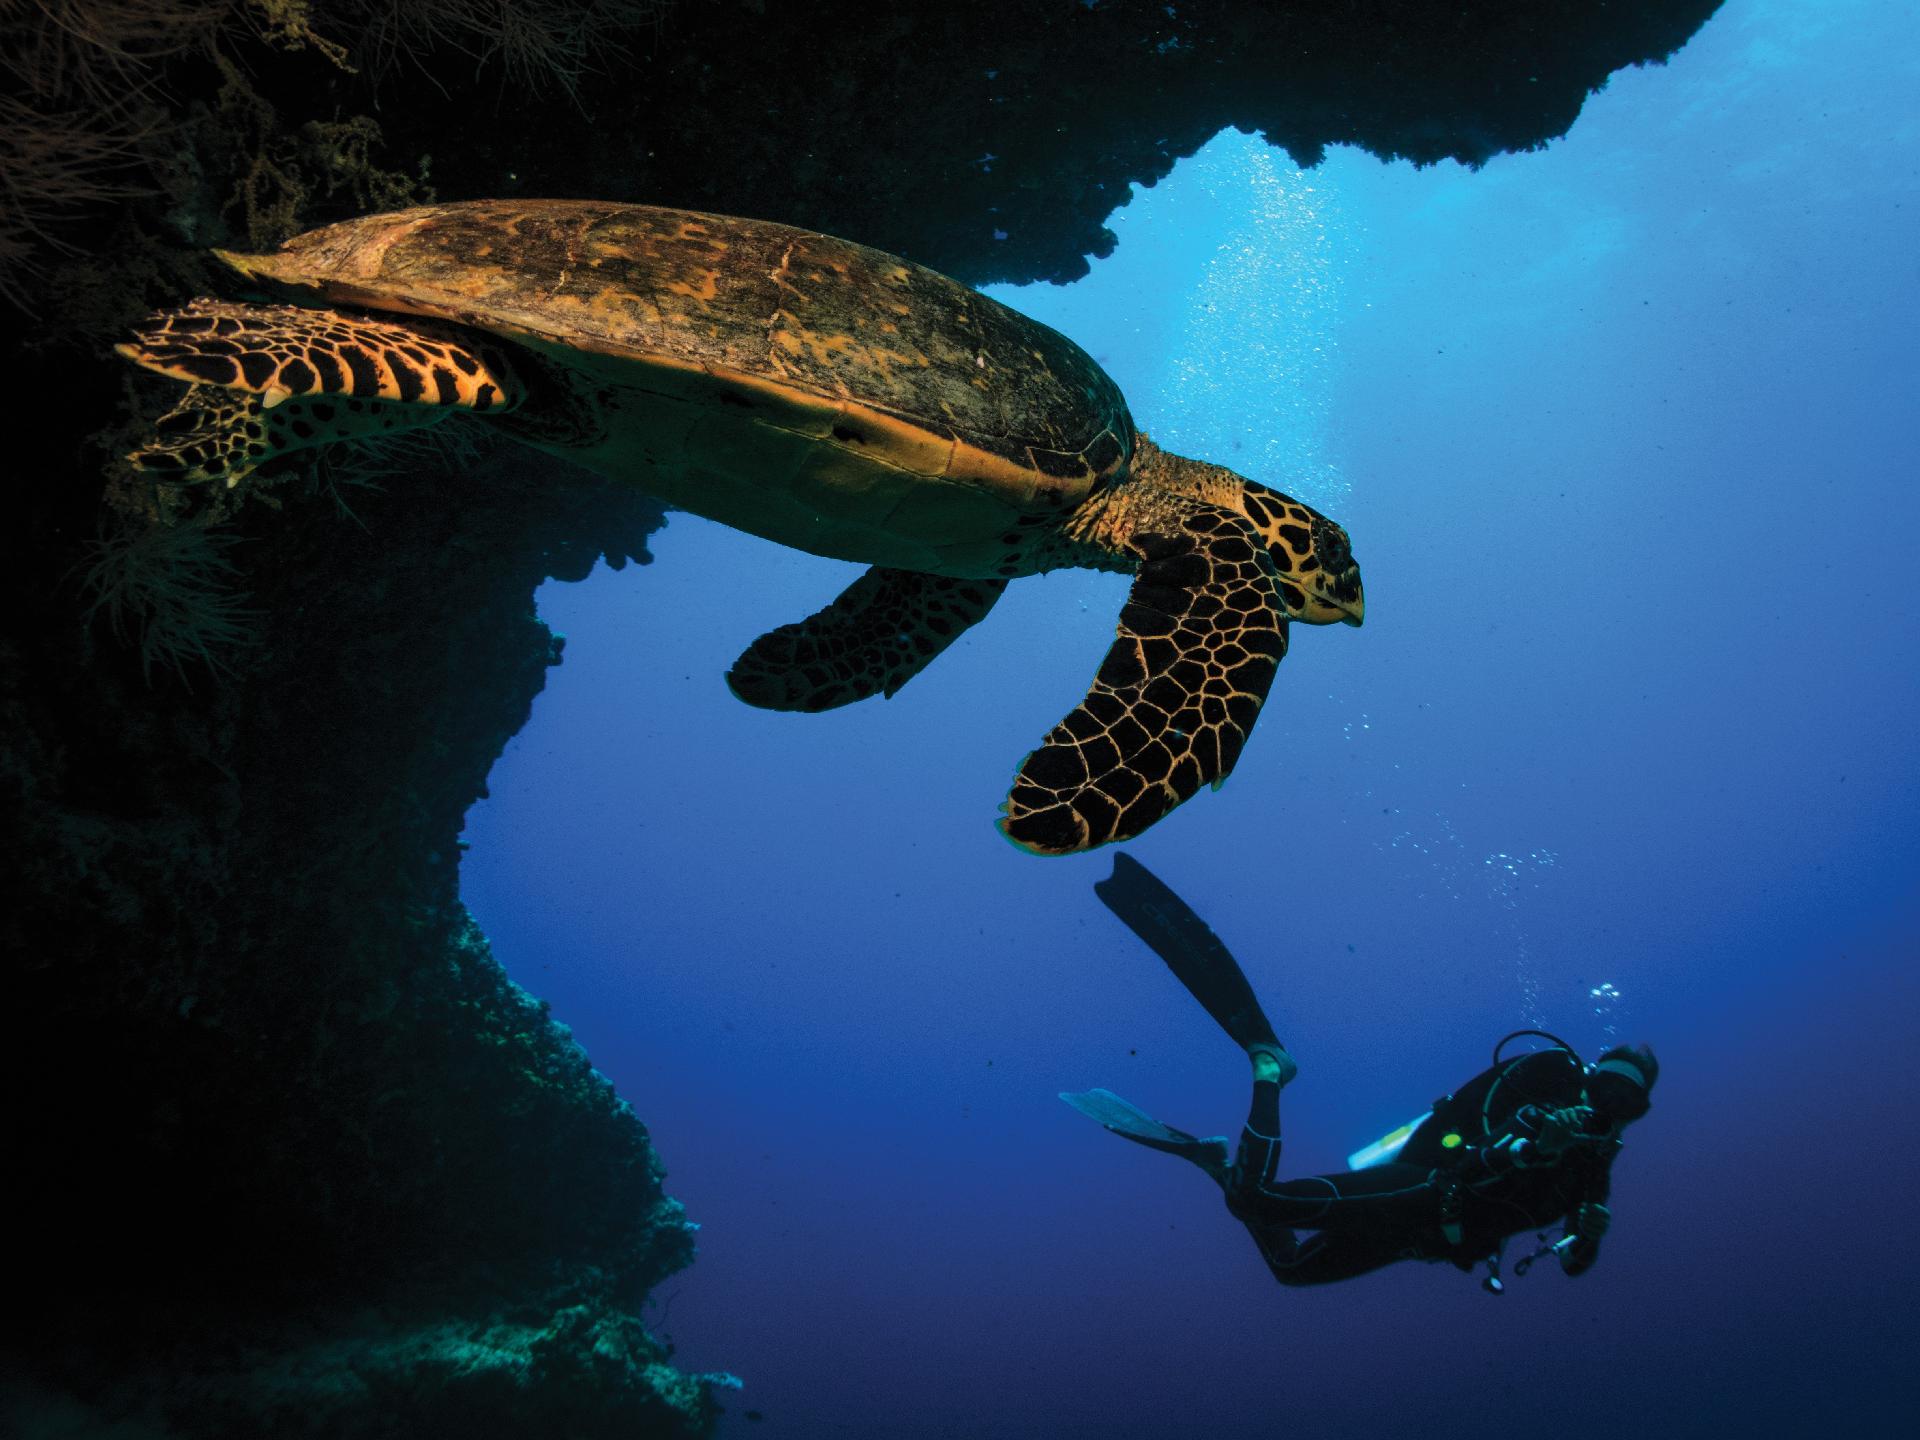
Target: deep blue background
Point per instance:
(1624, 432)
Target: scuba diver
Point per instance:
(1526, 1144)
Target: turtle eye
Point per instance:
(1331, 545)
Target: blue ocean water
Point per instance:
(1624, 432)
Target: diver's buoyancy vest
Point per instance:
(1484, 1106)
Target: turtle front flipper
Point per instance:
(266, 379)
(1199, 639)
(884, 629)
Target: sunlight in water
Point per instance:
(1250, 381)
(1234, 362)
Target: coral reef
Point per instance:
(988, 140)
(298, 1157)
(992, 140)
(166, 589)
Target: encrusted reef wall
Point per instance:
(292, 1155)
(297, 1158)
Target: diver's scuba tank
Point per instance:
(1387, 1146)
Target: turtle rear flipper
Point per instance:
(220, 434)
(1198, 642)
(266, 379)
(885, 628)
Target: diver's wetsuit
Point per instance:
(1437, 1203)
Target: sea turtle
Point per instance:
(816, 392)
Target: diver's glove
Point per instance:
(1557, 1132)
(1580, 1246)
(1590, 1222)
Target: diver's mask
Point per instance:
(1619, 1082)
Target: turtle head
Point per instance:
(1319, 579)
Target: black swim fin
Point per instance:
(1132, 1123)
(1190, 948)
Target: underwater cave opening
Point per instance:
(843, 1006)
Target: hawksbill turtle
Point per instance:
(815, 392)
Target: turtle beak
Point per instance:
(1330, 599)
(1341, 598)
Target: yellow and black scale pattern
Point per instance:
(284, 350)
(1199, 641)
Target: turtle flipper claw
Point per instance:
(884, 629)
